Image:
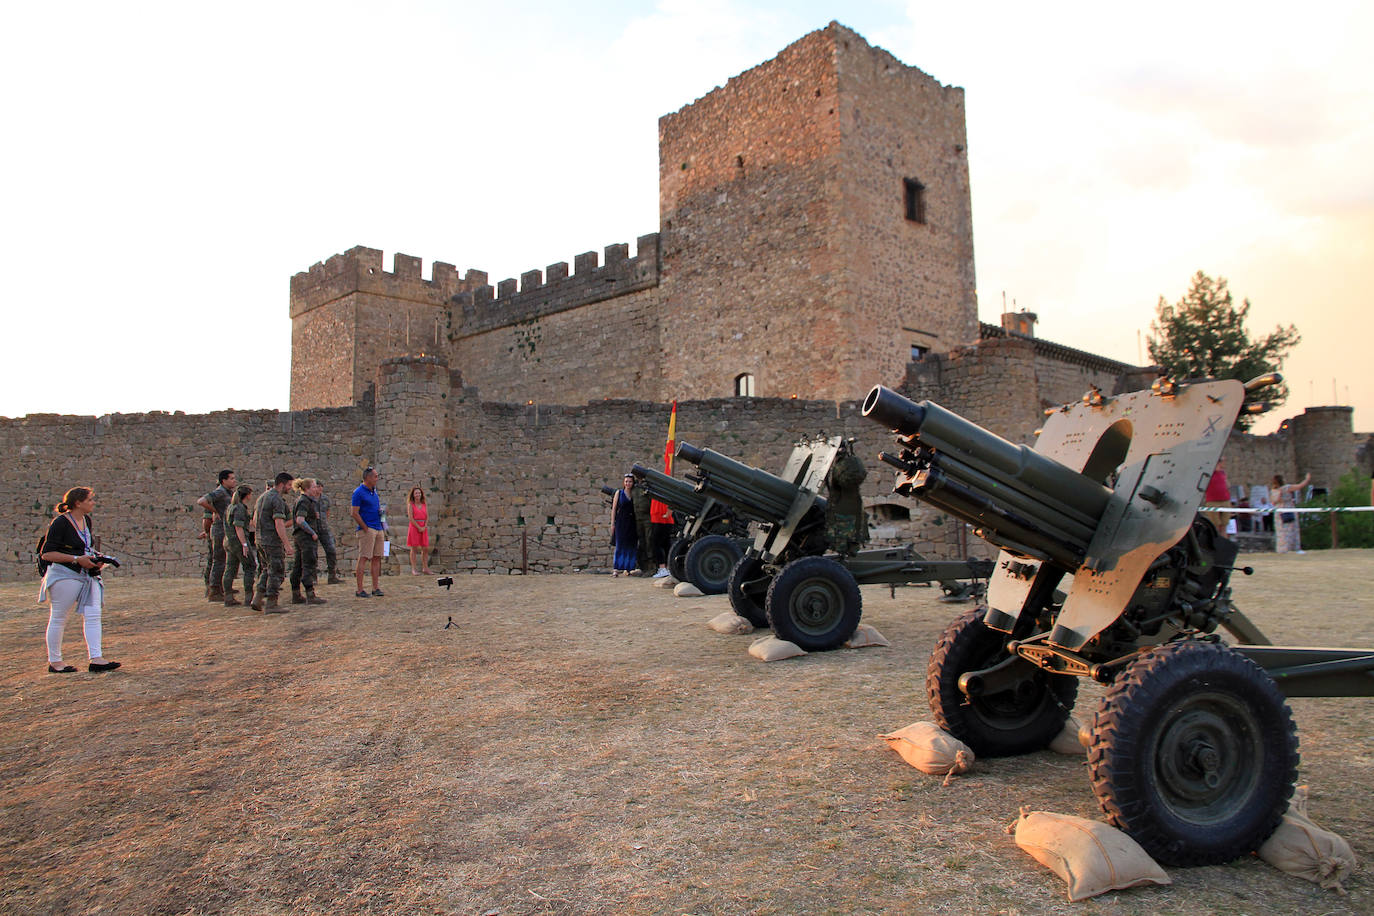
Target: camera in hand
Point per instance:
(106, 559)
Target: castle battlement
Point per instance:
(482, 308)
(359, 269)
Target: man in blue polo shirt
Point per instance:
(367, 515)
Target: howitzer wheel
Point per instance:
(677, 559)
(748, 590)
(1195, 753)
(709, 561)
(1019, 720)
(815, 603)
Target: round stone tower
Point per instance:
(411, 428)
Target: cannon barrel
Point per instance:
(678, 495)
(752, 492)
(608, 489)
(1018, 498)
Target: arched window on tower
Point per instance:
(744, 385)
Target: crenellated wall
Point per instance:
(348, 315)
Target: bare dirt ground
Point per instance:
(574, 744)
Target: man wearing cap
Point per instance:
(216, 504)
(367, 515)
(274, 545)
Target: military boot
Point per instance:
(271, 606)
(214, 593)
(231, 601)
(310, 597)
(256, 603)
(296, 596)
(334, 579)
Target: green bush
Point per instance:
(1353, 529)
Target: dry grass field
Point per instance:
(573, 744)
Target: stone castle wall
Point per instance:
(910, 282)
(512, 483)
(149, 469)
(565, 338)
(748, 212)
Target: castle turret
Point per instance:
(347, 315)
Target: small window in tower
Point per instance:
(744, 385)
(918, 352)
(915, 200)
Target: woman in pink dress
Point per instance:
(417, 534)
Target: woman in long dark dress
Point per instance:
(624, 535)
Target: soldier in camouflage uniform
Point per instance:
(274, 544)
(331, 557)
(846, 526)
(216, 503)
(639, 497)
(238, 547)
(306, 538)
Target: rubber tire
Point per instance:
(677, 559)
(753, 611)
(815, 603)
(1197, 689)
(709, 561)
(1001, 724)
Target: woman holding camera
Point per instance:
(73, 579)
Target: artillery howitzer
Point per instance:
(712, 539)
(786, 580)
(1193, 750)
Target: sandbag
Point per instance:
(931, 749)
(1067, 741)
(1092, 857)
(686, 590)
(730, 623)
(865, 636)
(1299, 847)
(772, 649)
(665, 582)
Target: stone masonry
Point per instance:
(815, 235)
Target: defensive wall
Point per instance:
(517, 484)
(814, 227)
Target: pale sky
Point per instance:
(169, 166)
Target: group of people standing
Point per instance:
(245, 537)
(1281, 497)
(257, 541)
(641, 529)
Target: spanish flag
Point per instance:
(658, 512)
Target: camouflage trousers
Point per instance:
(234, 558)
(271, 569)
(214, 554)
(331, 558)
(305, 568)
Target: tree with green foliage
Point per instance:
(1353, 529)
(1203, 334)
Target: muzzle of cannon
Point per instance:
(1014, 497)
(754, 493)
(677, 495)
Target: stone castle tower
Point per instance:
(815, 233)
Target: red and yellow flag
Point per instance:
(658, 512)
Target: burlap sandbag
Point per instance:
(772, 649)
(1067, 741)
(730, 623)
(1301, 848)
(686, 590)
(865, 636)
(931, 749)
(1092, 857)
